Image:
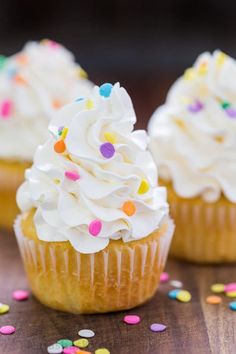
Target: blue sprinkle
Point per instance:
(105, 89)
(79, 99)
(232, 305)
(173, 293)
(12, 72)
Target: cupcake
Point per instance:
(193, 141)
(94, 231)
(33, 84)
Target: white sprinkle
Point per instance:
(176, 283)
(55, 349)
(86, 333)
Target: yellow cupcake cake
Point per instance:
(94, 231)
(193, 141)
(33, 84)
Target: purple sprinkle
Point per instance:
(231, 112)
(107, 150)
(196, 107)
(157, 327)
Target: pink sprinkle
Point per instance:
(74, 176)
(230, 287)
(5, 109)
(95, 227)
(20, 295)
(70, 350)
(7, 330)
(132, 319)
(53, 44)
(164, 277)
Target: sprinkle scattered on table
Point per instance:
(164, 277)
(102, 351)
(213, 299)
(81, 343)
(232, 305)
(65, 342)
(173, 293)
(218, 288)
(176, 283)
(55, 349)
(157, 327)
(184, 296)
(70, 350)
(132, 319)
(7, 330)
(86, 333)
(20, 295)
(4, 308)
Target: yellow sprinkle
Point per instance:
(220, 59)
(64, 133)
(144, 187)
(202, 69)
(56, 181)
(110, 137)
(219, 138)
(102, 351)
(81, 343)
(190, 74)
(185, 100)
(184, 296)
(4, 309)
(180, 123)
(231, 294)
(89, 104)
(218, 288)
(82, 73)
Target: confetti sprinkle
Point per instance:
(86, 333)
(195, 107)
(190, 74)
(4, 308)
(64, 132)
(173, 293)
(7, 330)
(20, 295)
(20, 80)
(70, 350)
(225, 105)
(232, 305)
(55, 349)
(230, 287)
(144, 187)
(132, 319)
(102, 351)
(56, 104)
(89, 104)
(213, 299)
(157, 327)
(110, 137)
(218, 288)
(105, 90)
(231, 112)
(95, 227)
(65, 343)
(60, 146)
(81, 343)
(202, 69)
(184, 296)
(231, 293)
(164, 278)
(79, 99)
(3, 61)
(176, 283)
(107, 150)
(220, 59)
(6, 108)
(73, 176)
(129, 208)
(82, 73)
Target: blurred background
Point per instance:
(145, 45)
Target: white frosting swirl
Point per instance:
(119, 192)
(193, 135)
(33, 84)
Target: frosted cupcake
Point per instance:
(193, 140)
(33, 84)
(94, 232)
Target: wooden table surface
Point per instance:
(192, 328)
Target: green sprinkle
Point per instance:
(225, 105)
(65, 343)
(3, 60)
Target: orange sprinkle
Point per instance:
(60, 146)
(20, 80)
(129, 208)
(213, 299)
(56, 104)
(22, 59)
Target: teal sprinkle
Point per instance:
(3, 61)
(225, 105)
(79, 99)
(105, 90)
